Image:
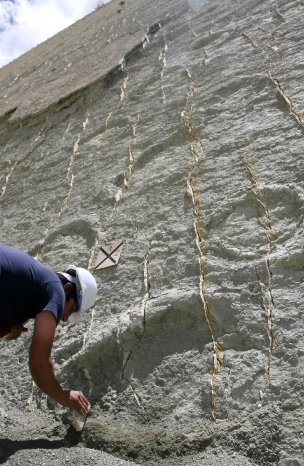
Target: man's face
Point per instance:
(70, 304)
(69, 307)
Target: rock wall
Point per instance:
(176, 127)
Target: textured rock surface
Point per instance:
(191, 152)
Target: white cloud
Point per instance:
(26, 23)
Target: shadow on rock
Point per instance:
(9, 447)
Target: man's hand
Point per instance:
(16, 331)
(76, 400)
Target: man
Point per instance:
(31, 290)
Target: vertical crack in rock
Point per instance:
(124, 88)
(21, 159)
(259, 197)
(162, 58)
(86, 374)
(7, 178)
(267, 300)
(129, 171)
(147, 295)
(123, 63)
(199, 240)
(269, 316)
(288, 101)
(126, 177)
(270, 48)
(71, 177)
(147, 286)
(197, 145)
(103, 136)
(134, 129)
(275, 81)
(251, 40)
(136, 395)
(146, 41)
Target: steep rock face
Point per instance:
(176, 127)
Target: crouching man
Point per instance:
(31, 290)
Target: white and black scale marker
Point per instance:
(108, 255)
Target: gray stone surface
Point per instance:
(191, 152)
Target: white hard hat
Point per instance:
(86, 289)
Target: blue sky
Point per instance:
(26, 23)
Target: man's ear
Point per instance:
(67, 289)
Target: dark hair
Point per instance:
(64, 281)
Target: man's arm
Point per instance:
(41, 365)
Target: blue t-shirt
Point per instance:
(27, 287)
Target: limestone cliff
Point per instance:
(175, 126)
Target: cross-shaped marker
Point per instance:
(108, 255)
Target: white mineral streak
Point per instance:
(199, 241)
(147, 287)
(131, 324)
(197, 144)
(71, 177)
(162, 59)
(289, 103)
(264, 219)
(123, 64)
(123, 88)
(190, 151)
(12, 168)
(71, 168)
(126, 176)
(145, 41)
(20, 159)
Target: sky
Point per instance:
(26, 23)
